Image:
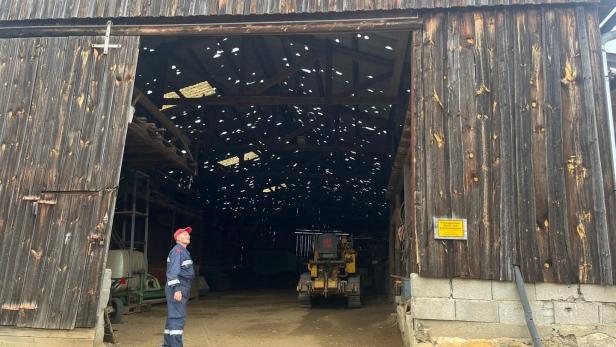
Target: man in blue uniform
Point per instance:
(179, 275)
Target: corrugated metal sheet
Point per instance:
(63, 121)
(512, 134)
(47, 9)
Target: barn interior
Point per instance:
(255, 141)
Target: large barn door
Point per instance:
(64, 110)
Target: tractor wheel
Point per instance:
(354, 301)
(118, 310)
(304, 300)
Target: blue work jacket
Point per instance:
(180, 271)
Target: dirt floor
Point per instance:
(271, 319)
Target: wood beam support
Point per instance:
(373, 148)
(285, 73)
(144, 101)
(256, 100)
(153, 27)
(348, 52)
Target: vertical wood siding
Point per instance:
(57, 9)
(63, 121)
(512, 135)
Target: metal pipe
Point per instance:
(146, 225)
(610, 114)
(528, 314)
(132, 233)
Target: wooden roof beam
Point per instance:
(285, 73)
(144, 101)
(273, 100)
(359, 56)
(373, 148)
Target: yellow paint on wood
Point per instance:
(439, 139)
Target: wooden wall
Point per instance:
(63, 119)
(56, 9)
(512, 134)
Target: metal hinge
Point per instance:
(37, 200)
(106, 45)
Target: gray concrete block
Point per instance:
(593, 292)
(555, 291)
(507, 291)
(430, 287)
(471, 289)
(433, 308)
(512, 312)
(579, 313)
(476, 310)
(607, 313)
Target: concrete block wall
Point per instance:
(498, 302)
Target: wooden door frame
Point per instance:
(287, 24)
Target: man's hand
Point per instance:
(178, 296)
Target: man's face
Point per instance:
(183, 238)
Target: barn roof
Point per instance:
(64, 9)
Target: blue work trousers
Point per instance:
(176, 315)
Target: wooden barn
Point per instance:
(262, 117)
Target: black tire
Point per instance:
(354, 301)
(118, 311)
(304, 300)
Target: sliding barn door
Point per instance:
(64, 111)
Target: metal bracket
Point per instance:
(37, 200)
(96, 238)
(106, 45)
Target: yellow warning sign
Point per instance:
(447, 228)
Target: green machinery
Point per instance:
(134, 292)
(132, 289)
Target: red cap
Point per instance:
(181, 230)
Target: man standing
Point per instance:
(179, 275)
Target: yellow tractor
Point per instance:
(331, 271)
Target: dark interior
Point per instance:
(285, 133)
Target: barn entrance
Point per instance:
(260, 135)
(260, 142)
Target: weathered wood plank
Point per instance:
(590, 145)
(66, 150)
(470, 138)
(455, 146)
(434, 140)
(492, 141)
(557, 226)
(57, 116)
(93, 123)
(7, 56)
(503, 178)
(538, 145)
(19, 9)
(420, 234)
(602, 121)
(526, 208)
(581, 224)
(483, 97)
(110, 152)
(43, 112)
(74, 219)
(16, 129)
(122, 76)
